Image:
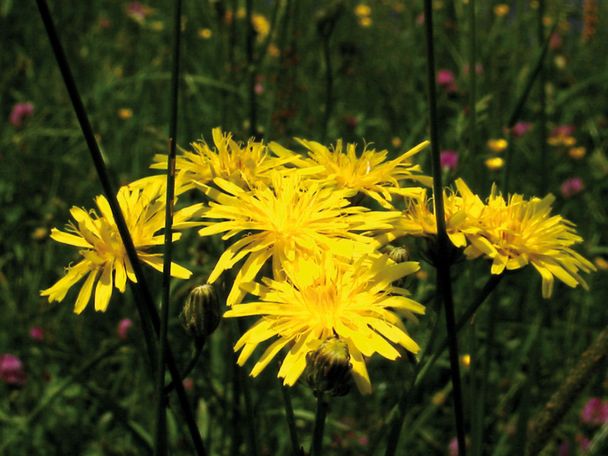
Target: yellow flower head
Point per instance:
(242, 164)
(494, 163)
(104, 258)
(501, 10)
(518, 232)
(261, 25)
(497, 145)
(321, 298)
(362, 10)
(462, 211)
(369, 172)
(284, 220)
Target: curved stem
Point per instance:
(317, 440)
(200, 344)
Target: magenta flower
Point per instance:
(563, 130)
(583, 443)
(447, 80)
(11, 370)
(595, 412)
(138, 11)
(20, 112)
(37, 333)
(453, 447)
(124, 326)
(572, 186)
(448, 159)
(520, 129)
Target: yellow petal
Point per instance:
(70, 239)
(85, 292)
(103, 291)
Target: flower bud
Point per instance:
(397, 254)
(201, 313)
(329, 368)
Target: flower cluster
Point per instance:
(304, 233)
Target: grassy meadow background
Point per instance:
(76, 392)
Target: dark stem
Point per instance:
(160, 437)
(144, 301)
(291, 422)
(542, 115)
(444, 283)
(317, 439)
(472, 78)
(198, 350)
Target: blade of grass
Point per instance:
(160, 431)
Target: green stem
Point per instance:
(253, 129)
(542, 115)
(160, 430)
(472, 78)
(319, 430)
(291, 422)
(444, 283)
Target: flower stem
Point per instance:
(160, 435)
(444, 283)
(250, 42)
(145, 305)
(542, 99)
(317, 441)
(291, 422)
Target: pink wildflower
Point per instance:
(448, 159)
(447, 80)
(124, 326)
(595, 412)
(11, 370)
(453, 447)
(572, 186)
(37, 333)
(20, 112)
(563, 130)
(138, 11)
(520, 129)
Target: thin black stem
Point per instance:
(472, 78)
(160, 437)
(542, 115)
(444, 283)
(144, 301)
(317, 439)
(291, 422)
(329, 87)
(198, 350)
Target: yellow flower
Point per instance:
(205, 33)
(497, 145)
(494, 163)
(284, 221)
(462, 211)
(369, 173)
(519, 232)
(242, 164)
(125, 113)
(365, 22)
(601, 263)
(104, 258)
(260, 25)
(273, 50)
(321, 298)
(577, 152)
(501, 10)
(362, 10)
(396, 141)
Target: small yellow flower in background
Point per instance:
(362, 10)
(547, 21)
(516, 232)
(261, 25)
(323, 297)
(365, 22)
(438, 398)
(40, 233)
(273, 50)
(369, 172)
(157, 26)
(560, 62)
(204, 33)
(501, 10)
(124, 113)
(285, 219)
(494, 163)
(104, 258)
(465, 360)
(601, 263)
(396, 141)
(497, 145)
(577, 152)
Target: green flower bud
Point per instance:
(329, 368)
(201, 313)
